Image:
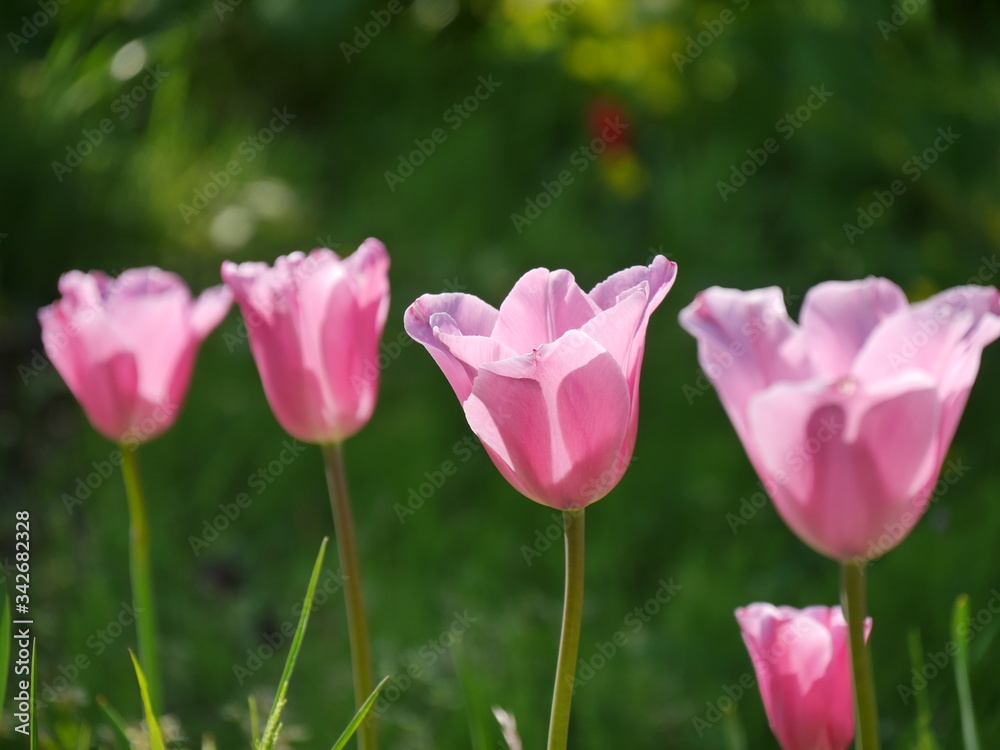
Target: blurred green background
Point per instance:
(117, 114)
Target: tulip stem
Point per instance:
(852, 600)
(142, 579)
(569, 640)
(357, 623)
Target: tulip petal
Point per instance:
(844, 468)
(108, 395)
(368, 268)
(209, 309)
(615, 328)
(943, 336)
(471, 352)
(542, 306)
(659, 275)
(746, 343)
(348, 335)
(554, 421)
(454, 314)
(838, 316)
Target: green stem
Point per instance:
(357, 624)
(142, 579)
(852, 600)
(569, 640)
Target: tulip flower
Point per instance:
(846, 417)
(550, 381)
(550, 385)
(804, 673)
(126, 348)
(315, 322)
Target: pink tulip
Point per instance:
(550, 381)
(803, 663)
(126, 346)
(315, 322)
(846, 417)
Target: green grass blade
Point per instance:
(960, 631)
(925, 735)
(83, 737)
(735, 734)
(115, 719)
(359, 716)
(5, 625)
(155, 735)
(478, 729)
(272, 727)
(32, 710)
(254, 719)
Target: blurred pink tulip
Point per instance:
(126, 346)
(803, 663)
(550, 382)
(846, 417)
(315, 322)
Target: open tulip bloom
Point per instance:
(804, 673)
(550, 385)
(315, 322)
(126, 349)
(848, 415)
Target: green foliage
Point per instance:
(960, 631)
(359, 717)
(152, 722)
(272, 728)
